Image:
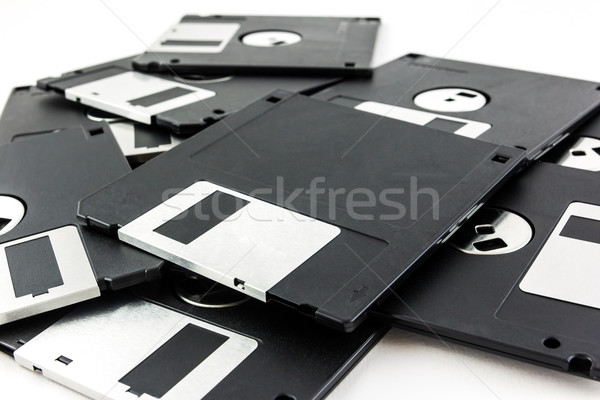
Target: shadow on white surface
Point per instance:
(416, 367)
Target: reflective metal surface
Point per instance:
(250, 251)
(107, 339)
(195, 37)
(470, 129)
(12, 212)
(99, 116)
(271, 39)
(203, 79)
(79, 282)
(492, 231)
(114, 93)
(451, 100)
(566, 268)
(585, 154)
(202, 292)
(124, 132)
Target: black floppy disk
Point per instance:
(520, 276)
(499, 105)
(306, 202)
(227, 44)
(157, 345)
(182, 104)
(47, 260)
(30, 111)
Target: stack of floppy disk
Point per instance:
(243, 210)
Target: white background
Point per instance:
(46, 38)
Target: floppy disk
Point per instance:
(306, 202)
(513, 108)
(30, 111)
(257, 44)
(182, 104)
(581, 150)
(47, 261)
(520, 277)
(155, 345)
